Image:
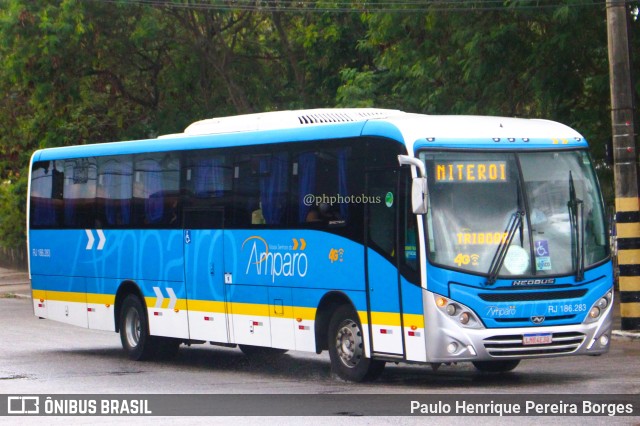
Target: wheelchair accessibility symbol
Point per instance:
(542, 248)
(543, 259)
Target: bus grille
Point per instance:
(530, 297)
(528, 319)
(511, 346)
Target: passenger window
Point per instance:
(262, 189)
(114, 191)
(323, 190)
(47, 181)
(79, 192)
(208, 175)
(156, 190)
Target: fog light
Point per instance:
(451, 310)
(452, 347)
(594, 312)
(604, 340)
(464, 318)
(603, 303)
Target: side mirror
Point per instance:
(419, 200)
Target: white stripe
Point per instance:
(103, 239)
(172, 297)
(159, 297)
(91, 239)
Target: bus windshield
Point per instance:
(514, 214)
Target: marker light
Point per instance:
(600, 307)
(602, 303)
(457, 312)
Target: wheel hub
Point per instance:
(349, 344)
(132, 328)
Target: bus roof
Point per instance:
(416, 131)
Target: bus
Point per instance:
(377, 235)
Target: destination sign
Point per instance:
(471, 171)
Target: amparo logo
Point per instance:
(276, 260)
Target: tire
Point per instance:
(496, 366)
(134, 330)
(261, 351)
(346, 348)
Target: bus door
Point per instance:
(383, 279)
(203, 236)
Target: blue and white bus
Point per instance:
(377, 235)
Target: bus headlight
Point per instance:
(600, 307)
(458, 312)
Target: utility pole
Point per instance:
(625, 159)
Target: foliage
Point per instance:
(76, 72)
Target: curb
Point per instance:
(628, 335)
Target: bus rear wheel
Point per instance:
(496, 366)
(134, 329)
(346, 348)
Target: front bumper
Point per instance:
(448, 341)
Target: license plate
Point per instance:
(537, 339)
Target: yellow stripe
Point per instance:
(101, 299)
(66, 296)
(304, 313)
(629, 257)
(628, 204)
(206, 306)
(181, 304)
(293, 312)
(39, 294)
(414, 320)
(628, 230)
(393, 319)
(249, 309)
(386, 318)
(629, 283)
(630, 310)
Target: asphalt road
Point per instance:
(45, 357)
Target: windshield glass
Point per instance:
(509, 214)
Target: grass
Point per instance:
(8, 296)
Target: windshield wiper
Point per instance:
(576, 217)
(498, 259)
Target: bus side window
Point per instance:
(409, 265)
(46, 194)
(323, 187)
(114, 191)
(261, 189)
(208, 180)
(156, 190)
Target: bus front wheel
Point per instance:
(496, 366)
(134, 329)
(346, 348)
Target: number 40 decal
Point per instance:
(465, 259)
